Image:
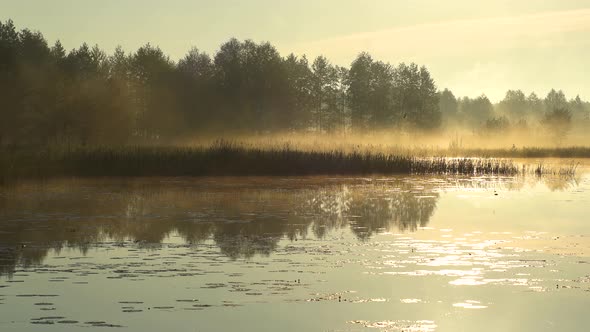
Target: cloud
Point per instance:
(448, 38)
(469, 82)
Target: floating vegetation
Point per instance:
(354, 248)
(49, 317)
(130, 302)
(232, 305)
(214, 285)
(103, 324)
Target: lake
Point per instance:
(379, 253)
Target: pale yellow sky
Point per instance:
(471, 47)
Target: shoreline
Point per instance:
(230, 159)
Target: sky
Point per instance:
(471, 47)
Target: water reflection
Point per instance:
(372, 209)
(243, 217)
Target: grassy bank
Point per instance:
(231, 159)
(524, 152)
(475, 147)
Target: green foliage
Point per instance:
(382, 96)
(88, 97)
(324, 92)
(475, 112)
(555, 100)
(448, 105)
(514, 105)
(580, 109)
(497, 125)
(558, 122)
(535, 106)
(415, 97)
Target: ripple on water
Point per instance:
(470, 304)
(408, 301)
(43, 303)
(398, 325)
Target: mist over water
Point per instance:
(254, 190)
(382, 253)
(86, 97)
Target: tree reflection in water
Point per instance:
(243, 217)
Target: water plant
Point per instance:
(225, 158)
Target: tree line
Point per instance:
(555, 114)
(515, 108)
(86, 96)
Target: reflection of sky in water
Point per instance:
(391, 254)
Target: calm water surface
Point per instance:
(296, 254)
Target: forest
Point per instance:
(84, 96)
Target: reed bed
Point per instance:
(229, 159)
(405, 147)
(564, 170)
(523, 152)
